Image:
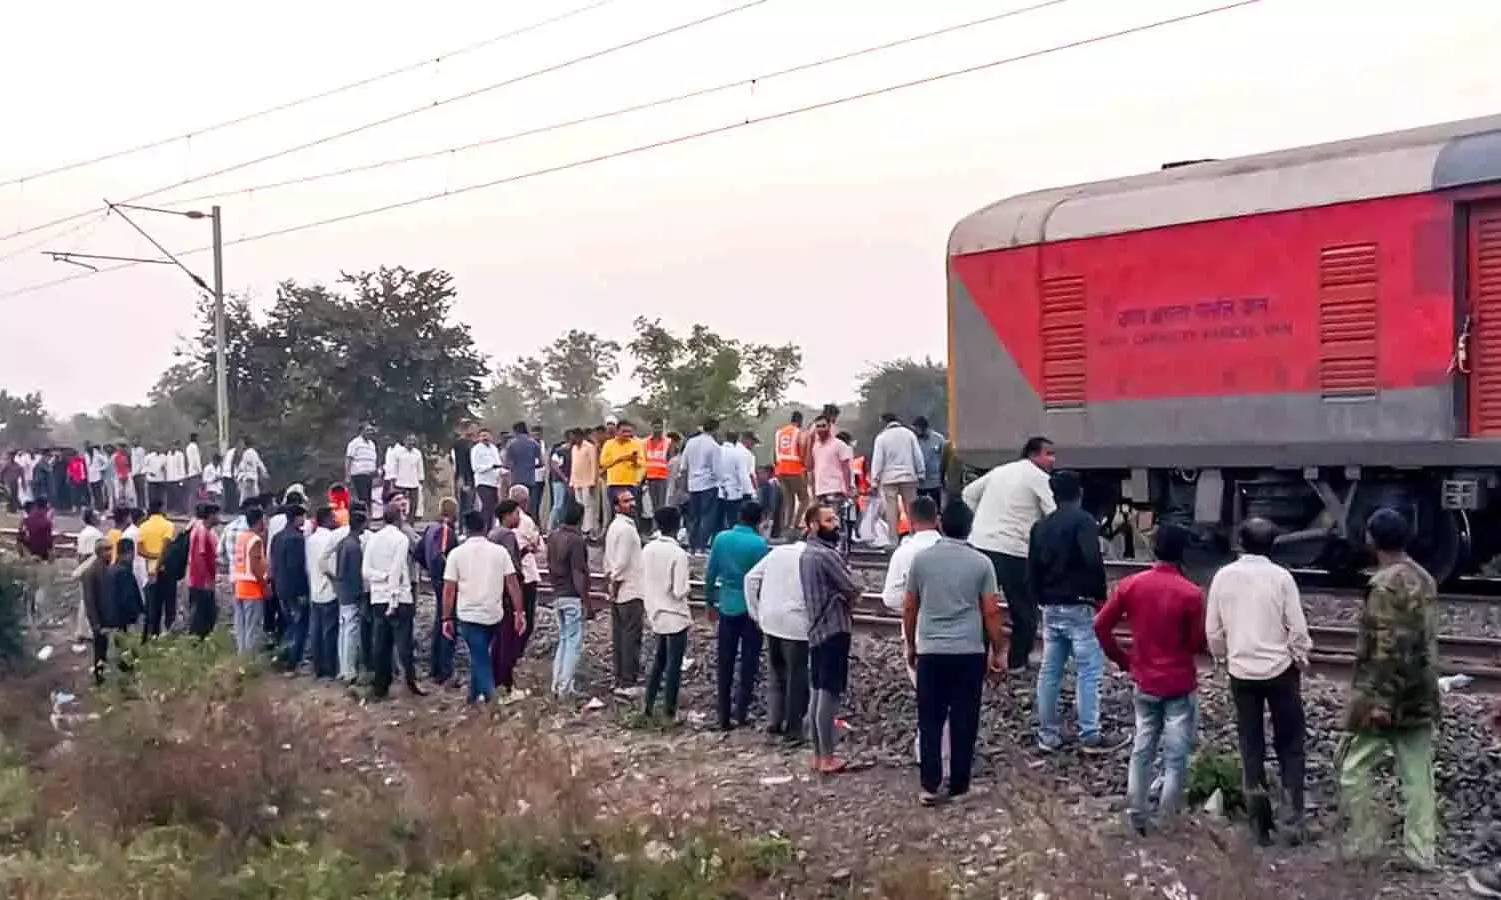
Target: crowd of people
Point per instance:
(130, 476)
(336, 586)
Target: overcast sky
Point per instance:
(826, 228)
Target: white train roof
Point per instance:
(1433, 157)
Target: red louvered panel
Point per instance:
(1485, 321)
(1348, 287)
(1063, 344)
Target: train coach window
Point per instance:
(1348, 292)
(1063, 342)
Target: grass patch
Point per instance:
(200, 778)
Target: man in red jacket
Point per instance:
(1165, 612)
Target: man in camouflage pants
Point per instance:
(1394, 700)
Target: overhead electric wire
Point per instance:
(680, 139)
(407, 113)
(621, 111)
(303, 101)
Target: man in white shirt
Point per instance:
(896, 466)
(664, 574)
(88, 538)
(405, 471)
(98, 463)
(387, 566)
(484, 458)
(360, 463)
(324, 607)
(138, 475)
(1254, 623)
(774, 598)
(249, 470)
(530, 547)
(922, 516)
(175, 473)
(737, 476)
(477, 577)
(627, 592)
(1007, 501)
(701, 456)
(156, 478)
(194, 460)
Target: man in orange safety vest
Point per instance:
(658, 447)
(789, 446)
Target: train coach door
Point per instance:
(1479, 354)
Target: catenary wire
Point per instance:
(404, 114)
(673, 141)
(620, 111)
(303, 101)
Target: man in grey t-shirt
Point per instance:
(951, 608)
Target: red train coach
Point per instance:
(1305, 335)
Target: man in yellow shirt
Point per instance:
(623, 459)
(161, 592)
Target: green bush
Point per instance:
(15, 582)
(1209, 772)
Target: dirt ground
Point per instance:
(841, 829)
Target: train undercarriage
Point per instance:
(1320, 512)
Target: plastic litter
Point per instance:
(1455, 682)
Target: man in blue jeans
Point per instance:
(1066, 572)
(478, 577)
(701, 463)
(568, 571)
(1165, 612)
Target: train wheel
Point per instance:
(1441, 537)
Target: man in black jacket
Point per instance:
(93, 579)
(1067, 573)
(126, 603)
(289, 579)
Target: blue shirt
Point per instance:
(732, 554)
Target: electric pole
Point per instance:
(215, 214)
(221, 366)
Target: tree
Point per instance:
(377, 347)
(907, 388)
(563, 385)
(23, 420)
(701, 374)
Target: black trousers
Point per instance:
(627, 620)
(949, 687)
(787, 701)
(393, 640)
(161, 606)
(667, 672)
(360, 486)
(529, 602)
(367, 632)
(1283, 697)
(738, 637)
(101, 654)
(203, 611)
(489, 498)
(323, 628)
(1021, 606)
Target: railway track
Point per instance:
(1334, 647)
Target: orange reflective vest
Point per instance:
(247, 585)
(656, 457)
(789, 460)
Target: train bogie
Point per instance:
(1305, 335)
